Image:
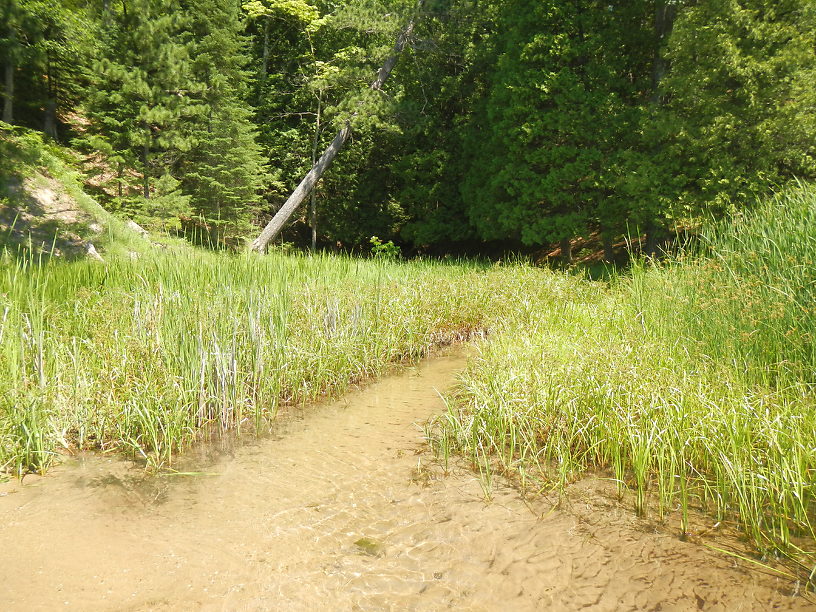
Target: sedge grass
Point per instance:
(691, 381)
(144, 355)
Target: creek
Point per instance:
(344, 508)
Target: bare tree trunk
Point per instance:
(145, 175)
(50, 115)
(274, 227)
(313, 215)
(650, 246)
(50, 118)
(265, 57)
(665, 14)
(8, 93)
(608, 253)
(566, 251)
(664, 17)
(313, 207)
(8, 81)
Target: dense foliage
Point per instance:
(519, 121)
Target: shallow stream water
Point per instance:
(344, 509)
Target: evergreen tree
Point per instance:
(12, 48)
(224, 172)
(562, 104)
(144, 99)
(45, 44)
(447, 77)
(513, 120)
(741, 90)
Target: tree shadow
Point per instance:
(30, 228)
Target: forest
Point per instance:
(506, 124)
(408, 304)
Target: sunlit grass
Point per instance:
(691, 382)
(144, 355)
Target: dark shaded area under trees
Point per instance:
(506, 124)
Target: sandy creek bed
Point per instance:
(332, 514)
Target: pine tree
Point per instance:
(224, 172)
(12, 49)
(144, 100)
(44, 45)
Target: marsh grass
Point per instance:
(146, 355)
(690, 381)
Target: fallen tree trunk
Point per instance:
(300, 193)
(274, 227)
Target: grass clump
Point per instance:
(145, 355)
(690, 381)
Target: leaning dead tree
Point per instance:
(274, 227)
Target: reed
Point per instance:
(146, 355)
(691, 381)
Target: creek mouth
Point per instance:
(343, 508)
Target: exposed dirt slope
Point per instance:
(38, 215)
(44, 210)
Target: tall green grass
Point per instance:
(690, 381)
(751, 301)
(145, 355)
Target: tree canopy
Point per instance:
(520, 122)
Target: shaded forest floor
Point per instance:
(37, 215)
(46, 212)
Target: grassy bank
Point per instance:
(691, 382)
(145, 354)
(44, 210)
